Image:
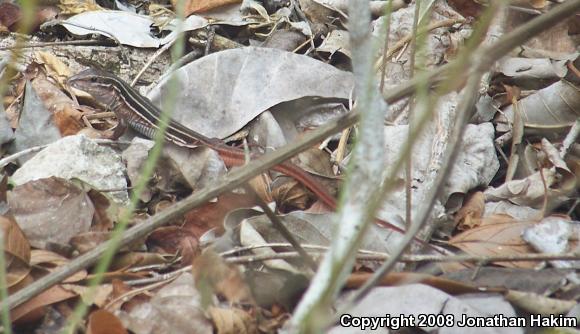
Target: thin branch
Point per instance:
(356, 209)
(84, 42)
(245, 259)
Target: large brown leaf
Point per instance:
(494, 240)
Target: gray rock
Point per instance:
(78, 157)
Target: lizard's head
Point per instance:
(98, 83)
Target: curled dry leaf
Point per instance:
(530, 191)
(321, 12)
(317, 163)
(549, 111)
(289, 194)
(66, 116)
(470, 214)
(16, 251)
(261, 185)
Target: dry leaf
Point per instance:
(55, 68)
(9, 15)
(232, 321)
(84, 242)
(211, 215)
(78, 6)
(494, 240)
(289, 194)
(200, 6)
(47, 261)
(210, 270)
(138, 259)
(261, 185)
(174, 240)
(104, 322)
(29, 309)
(16, 251)
(66, 116)
(175, 308)
(471, 212)
(50, 210)
(99, 295)
(240, 73)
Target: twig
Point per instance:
(134, 292)
(419, 258)
(86, 42)
(357, 205)
(100, 115)
(412, 117)
(237, 250)
(151, 60)
(388, 14)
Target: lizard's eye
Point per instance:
(94, 79)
